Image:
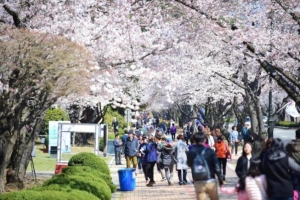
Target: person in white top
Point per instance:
(210, 139)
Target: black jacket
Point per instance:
(210, 157)
(276, 168)
(241, 166)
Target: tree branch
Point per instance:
(288, 10)
(281, 82)
(17, 21)
(231, 79)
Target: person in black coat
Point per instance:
(243, 162)
(276, 165)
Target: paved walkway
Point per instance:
(161, 190)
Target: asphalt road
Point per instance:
(285, 134)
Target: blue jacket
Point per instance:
(234, 135)
(151, 152)
(131, 147)
(117, 144)
(244, 133)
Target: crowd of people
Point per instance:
(272, 175)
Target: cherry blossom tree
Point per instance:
(175, 52)
(36, 69)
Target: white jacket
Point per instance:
(256, 188)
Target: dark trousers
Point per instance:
(182, 175)
(150, 170)
(144, 166)
(234, 147)
(173, 136)
(139, 159)
(222, 163)
(118, 157)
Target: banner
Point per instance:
(291, 109)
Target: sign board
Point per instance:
(53, 137)
(63, 128)
(128, 115)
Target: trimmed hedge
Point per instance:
(88, 172)
(48, 195)
(288, 124)
(91, 160)
(99, 188)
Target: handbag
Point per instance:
(228, 154)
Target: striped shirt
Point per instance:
(256, 188)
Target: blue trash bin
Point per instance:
(127, 179)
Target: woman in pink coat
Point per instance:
(251, 187)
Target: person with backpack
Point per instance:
(173, 131)
(205, 166)
(221, 151)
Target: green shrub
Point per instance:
(91, 160)
(98, 188)
(101, 144)
(54, 114)
(90, 173)
(287, 124)
(109, 116)
(48, 194)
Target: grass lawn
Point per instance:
(43, 162)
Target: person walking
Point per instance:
(243, 162)
(276, 165)
(124, 139)
(168, 161)
(173, 131)
(209, 186)
(117, 143)
(221, 151)
(210, 139)
(144, 157)
(234, 140)
(139, 155)
(131, 150)
(115, 125)
(159, 164)
(251, 187)
(150, 151)
(180, 154)
(293, 151)
(246, 133)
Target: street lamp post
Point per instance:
(271, 120)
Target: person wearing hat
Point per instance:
(246, 134)
(131, 150)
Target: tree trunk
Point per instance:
(20, 159)
(9, 146)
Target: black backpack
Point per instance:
(200, 169)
